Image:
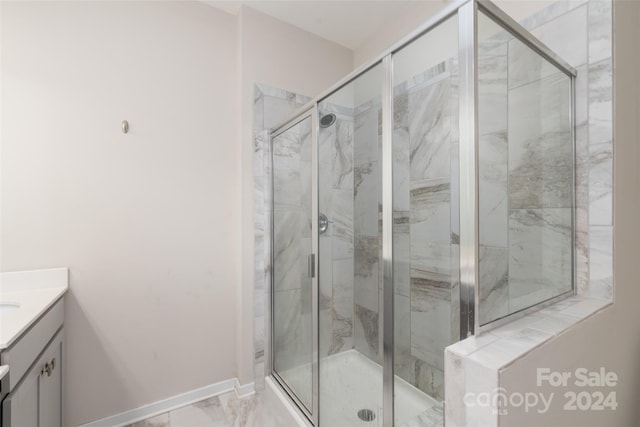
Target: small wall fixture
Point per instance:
(125, 126)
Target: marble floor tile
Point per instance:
(226, 410)
(161, 420)
(208, 412)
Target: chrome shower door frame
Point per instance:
(467, 13)
(310, 413)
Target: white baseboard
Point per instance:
(244, 390)
(174, 402)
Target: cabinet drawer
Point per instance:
(26, 349)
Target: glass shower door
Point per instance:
(292, 334)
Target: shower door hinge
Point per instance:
(312, 265)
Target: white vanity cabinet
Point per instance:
(35, 378)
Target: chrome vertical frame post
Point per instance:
(387, 241)
(315, 245)
(469, 236)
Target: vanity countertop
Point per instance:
(25, 296)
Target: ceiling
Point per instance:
(349, 23)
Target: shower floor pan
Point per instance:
(350, 382)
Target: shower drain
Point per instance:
(366, 415)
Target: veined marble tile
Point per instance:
(454, 191)
(601, 265)
(473, 343)
(428, 288)
(430, 318)
(550, 13)
(430, 229)
(365, 134)
(365, 332)
(430, 131)
(366, 272)
(432, 417)
(539, 255)
(367, 179)
(260, 140)
(401, 179)
(258, 109)
(343, 305)
(339, 110)
(430, 379)
(601, 185)
(342, 152)
(325, 265)
(289, 254)
(573, 49)
(540, 147)
(600, 145)
(342, 217)
(582, 308)
(277, 109)
(291, 340)
(455, 293)
(401, 254)
(553, 324)
(209, 412)
(258, 341)
(506, 349)
(454, 410)
(434, 256)
(526, 66)
(161, 420)
(582, 251)
(478, 379)
(241, 412)
(430, 334)
(600, 30)
(492, 87)
(325, 332)
(493, 175)
(403, 360)
(494, 283)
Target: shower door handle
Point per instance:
(311, 265)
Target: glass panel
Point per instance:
(350, 281)
(426, 224)
(525, 175)
(291, 248)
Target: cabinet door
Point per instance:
(20, 408)
(50, 387)
(37, 399)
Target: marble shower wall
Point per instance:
(367, 284)
(426, 236)
(291, 248)
(580, 31)
(336, 172)
(271, 106)
(525, 161)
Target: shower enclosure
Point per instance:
(426, 197)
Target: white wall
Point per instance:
(282, 56)
(612, 338)
(147, 222)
